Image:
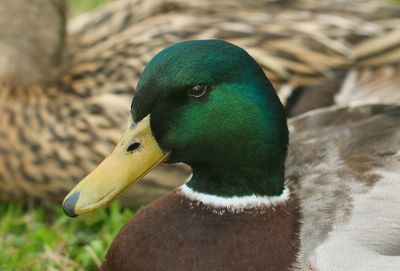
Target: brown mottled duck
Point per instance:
(65, 89)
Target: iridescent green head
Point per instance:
(206, 103)
(212, 107)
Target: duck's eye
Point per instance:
(198, 91)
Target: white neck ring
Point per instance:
(235, 203)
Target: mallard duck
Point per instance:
(209, 104)
(64, 90)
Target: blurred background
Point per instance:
(68, 71)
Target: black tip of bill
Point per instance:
(69, 204)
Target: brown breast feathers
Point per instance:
(175, 233)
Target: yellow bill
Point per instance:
(133, 157)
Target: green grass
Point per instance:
(46, 239)
(79, 6)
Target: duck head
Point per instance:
(206, 103)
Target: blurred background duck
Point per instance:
(64, 90)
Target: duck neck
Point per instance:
(237, 181)
(271, 222)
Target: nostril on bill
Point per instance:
(134, 146)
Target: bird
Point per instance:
(319, 192)
(65, 86)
